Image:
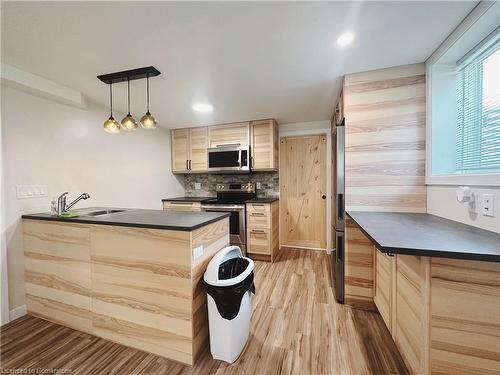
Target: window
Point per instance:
(463, 103)
(478, 120)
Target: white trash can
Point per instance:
(229, 283)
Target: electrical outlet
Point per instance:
(488, 204)
(258, 185)
(31, 191)
(197, 186)
(197, 252)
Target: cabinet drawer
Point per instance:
(182, 206)
(259, 241)
(258, 207)
(258, 219)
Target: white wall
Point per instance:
(442, 201)
(317, 127)
(65, 148)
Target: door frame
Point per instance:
(328, 175)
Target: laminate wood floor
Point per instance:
(297, 328)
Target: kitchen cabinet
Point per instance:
(182, 206)
(263, 230)
(264, 145)
(383, 286)
(189, 150)
(180, 150)
(229, 134)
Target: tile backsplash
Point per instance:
(270, 186)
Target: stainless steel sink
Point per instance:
(101, 212)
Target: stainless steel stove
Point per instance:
(231, 198)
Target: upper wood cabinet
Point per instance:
(189, 146)
(229, 134)
(189, 150)
(198, 149)
(264, 145)
(180, 150)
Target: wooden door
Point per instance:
(180, 150)
(265, 141)
(303, 191)
(198, 149)
(230, 134)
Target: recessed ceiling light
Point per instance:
(345, 39)
(202, 107)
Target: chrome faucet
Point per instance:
(61, 202)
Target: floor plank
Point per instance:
(297, 328)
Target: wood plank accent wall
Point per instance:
(385, 155)
(385, 139)
(135, 286)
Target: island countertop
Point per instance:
(140, 218)
(427, 235)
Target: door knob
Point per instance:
(323, 196)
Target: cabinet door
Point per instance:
(229, 134)
(259, 241)
(180, 150)
(383, 286)
(265, 155)
(198, 149)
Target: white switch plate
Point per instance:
(31, 191)
(197, 186)
(258, 185)
(488, 204)
(197, 252)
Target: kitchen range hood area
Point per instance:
(250, 188)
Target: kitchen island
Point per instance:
(133, 277)
(436, 284)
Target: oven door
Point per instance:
(237, 233)
(229, 159)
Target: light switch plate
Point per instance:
(31, 191)
(258, 185)
(488, 204)
(197, 186)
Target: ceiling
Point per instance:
(249, 59)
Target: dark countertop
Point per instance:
(153, 219)
(263, 200)
(203, 199)
(187, 199)
(427, 235)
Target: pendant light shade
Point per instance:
(128, 123)
(148, 121)
(111, 125)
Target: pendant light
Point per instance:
(148, 121)
(111, 125)
(128, 123)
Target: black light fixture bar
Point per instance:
(126, 75)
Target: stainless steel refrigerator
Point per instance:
(338, 207)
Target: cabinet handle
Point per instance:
(258, 231)
(190, 164)
(258, 214)
(182, 203)
(187, 165)
(258, 204)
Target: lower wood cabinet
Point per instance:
(383, 286)
(443, 314)
(182, 206)
(262, 230)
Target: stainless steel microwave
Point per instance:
(229, 159)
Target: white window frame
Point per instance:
(492, 179)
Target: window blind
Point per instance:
(478, 120)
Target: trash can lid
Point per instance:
(211, 275)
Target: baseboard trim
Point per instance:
(17, 312)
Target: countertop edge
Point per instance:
(130, 225)
(424, 252)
